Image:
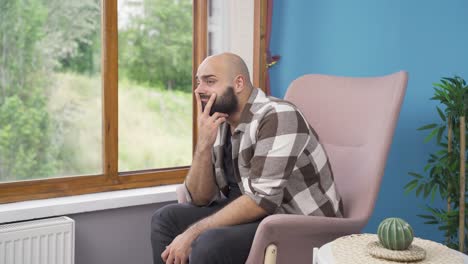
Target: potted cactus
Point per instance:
(395, 233)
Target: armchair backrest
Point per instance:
(355, 119)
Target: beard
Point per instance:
(226, 103)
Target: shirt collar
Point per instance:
(247, 112)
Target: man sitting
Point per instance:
(255, 156)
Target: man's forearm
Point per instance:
(240, 211)
(200, 180)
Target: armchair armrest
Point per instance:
(289, 232)
(181, 193)
(300, 225)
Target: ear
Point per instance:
(239, 84)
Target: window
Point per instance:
(96, 95)
(155, 84)
(50, 89)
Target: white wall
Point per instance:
(232, 28)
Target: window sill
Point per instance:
(20, 211)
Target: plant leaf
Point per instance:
(440, 133)
(416, 175)
(430, 136)
(433, 192)
(420, 188)
(427, 127)
(441, 114)
(427, 189)
(427, 167)
(410, 186)
(427, 217)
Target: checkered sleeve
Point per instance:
(282, 136)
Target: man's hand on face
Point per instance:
(179, 250)
(208, 125)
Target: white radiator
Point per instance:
(45, 241)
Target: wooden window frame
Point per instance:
(111, 179)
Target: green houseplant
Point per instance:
(445, 169)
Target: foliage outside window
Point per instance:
(54, 91)
(75, 83)
(45, 46)
(155, 84)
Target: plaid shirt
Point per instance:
(278, 160)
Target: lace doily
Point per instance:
(412, 254)
(353, 250)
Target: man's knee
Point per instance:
(207, 248)
(165, 216)
(159, 217)
(224, 245)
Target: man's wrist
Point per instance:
(196, 229)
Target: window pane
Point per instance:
(155, 84)
(50, 88)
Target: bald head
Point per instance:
(230, 64)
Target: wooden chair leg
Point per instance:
(314, 256)
(270, 254)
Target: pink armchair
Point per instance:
(355, 119)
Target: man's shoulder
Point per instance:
(264, 105)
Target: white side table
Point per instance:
(324, 255)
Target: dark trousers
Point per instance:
(220, 245)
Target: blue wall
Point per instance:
(427, 38)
